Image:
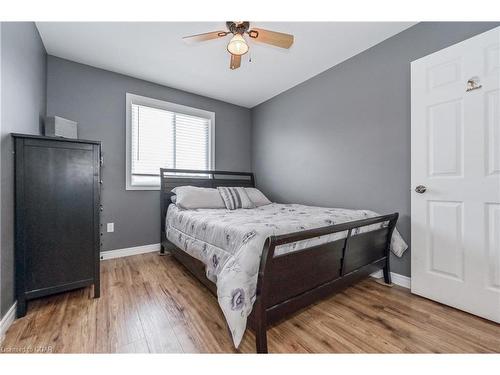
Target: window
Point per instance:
(165, 135)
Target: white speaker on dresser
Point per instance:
(56, 126)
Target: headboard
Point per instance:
(171, 178)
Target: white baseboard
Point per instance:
(7, 320)
(119, 253)
(396, 278)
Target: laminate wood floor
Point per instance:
(151, 303)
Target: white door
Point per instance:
(455, 176)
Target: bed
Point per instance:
(265, 263)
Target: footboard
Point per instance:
(289, 282)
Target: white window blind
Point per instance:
(152, 140)
(191, 142)
(161, 138)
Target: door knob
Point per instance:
(420, 189)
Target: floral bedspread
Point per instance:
(230, 244)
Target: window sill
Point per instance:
(144, 188)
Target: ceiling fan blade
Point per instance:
(235, 62)
(205, 36)
(275, 38)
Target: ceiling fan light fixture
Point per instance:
(237, 45)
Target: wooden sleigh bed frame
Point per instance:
(289, 282)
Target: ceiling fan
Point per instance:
(238, 46)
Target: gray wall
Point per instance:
(95, 98)
(342, 138)
(23, 103)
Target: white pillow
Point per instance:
(257, 197)
(192, 197)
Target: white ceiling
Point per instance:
(156, 52)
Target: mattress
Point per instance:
(230, 244)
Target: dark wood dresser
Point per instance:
(57, 216)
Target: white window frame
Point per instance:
(168, 106)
